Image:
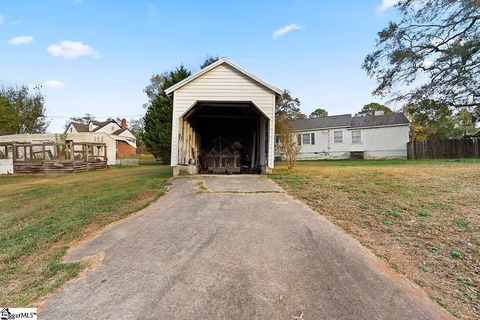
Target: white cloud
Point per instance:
(72, 50)
(2, 18)
(284, 30)
(387, 4)
(77, 1)
(54, 84)
(20, 40)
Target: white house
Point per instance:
(379, 136)
(126, 142)
(224, 120)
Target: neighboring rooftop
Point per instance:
(387, 119)
(84, 127)
(101, 124)
(80, 127)
(346, 120)
(343, 120)
(119, 131)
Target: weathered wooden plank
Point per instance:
(444, 149)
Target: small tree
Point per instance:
(208, 61)
(22, 110)
(287, 143)
(289, 107)
(369, 109)
(431, 119)
(137, 128)
(318, 113)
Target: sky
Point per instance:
(97, 56)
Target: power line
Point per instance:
(110, 116)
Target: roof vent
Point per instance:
(379, 112)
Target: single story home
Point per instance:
(223, 121)
(379, 136)
(126, 143)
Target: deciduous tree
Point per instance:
(287, 144)
(369, 109)
(136, 127)
(318, 113)
(431, 52)
(22, 110)
(208, 61)
(289, 107)
(435, 120)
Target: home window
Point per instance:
(337, 136)
(306, 138)
(356, 136)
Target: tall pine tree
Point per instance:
(157, 134)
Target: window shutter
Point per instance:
(299, 139)
(312, 140)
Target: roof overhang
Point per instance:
(381, 126)
(194, 76)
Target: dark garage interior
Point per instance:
(228, 137)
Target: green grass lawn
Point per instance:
(422, 217)
(41, 215)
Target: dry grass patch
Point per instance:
(423, 217)
(42, 215)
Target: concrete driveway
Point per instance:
(241, 250)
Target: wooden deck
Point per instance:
(55, 158)
(56, 166)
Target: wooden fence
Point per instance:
(444, 149)
(50, 157)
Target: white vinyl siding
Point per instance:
(222, 83)
(376, 143)
(356, 137)
(338, 136)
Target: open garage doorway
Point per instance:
(225, 137)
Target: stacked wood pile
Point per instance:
(57, 158)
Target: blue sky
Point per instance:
(97, 56)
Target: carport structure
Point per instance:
(223, 121)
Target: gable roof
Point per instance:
(119, 131)
(83, 127)
(102, 124)
(343, 120)
(194, 76)
(388, 119)
(346, 120)
(80, 127)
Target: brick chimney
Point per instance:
(124, 123)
